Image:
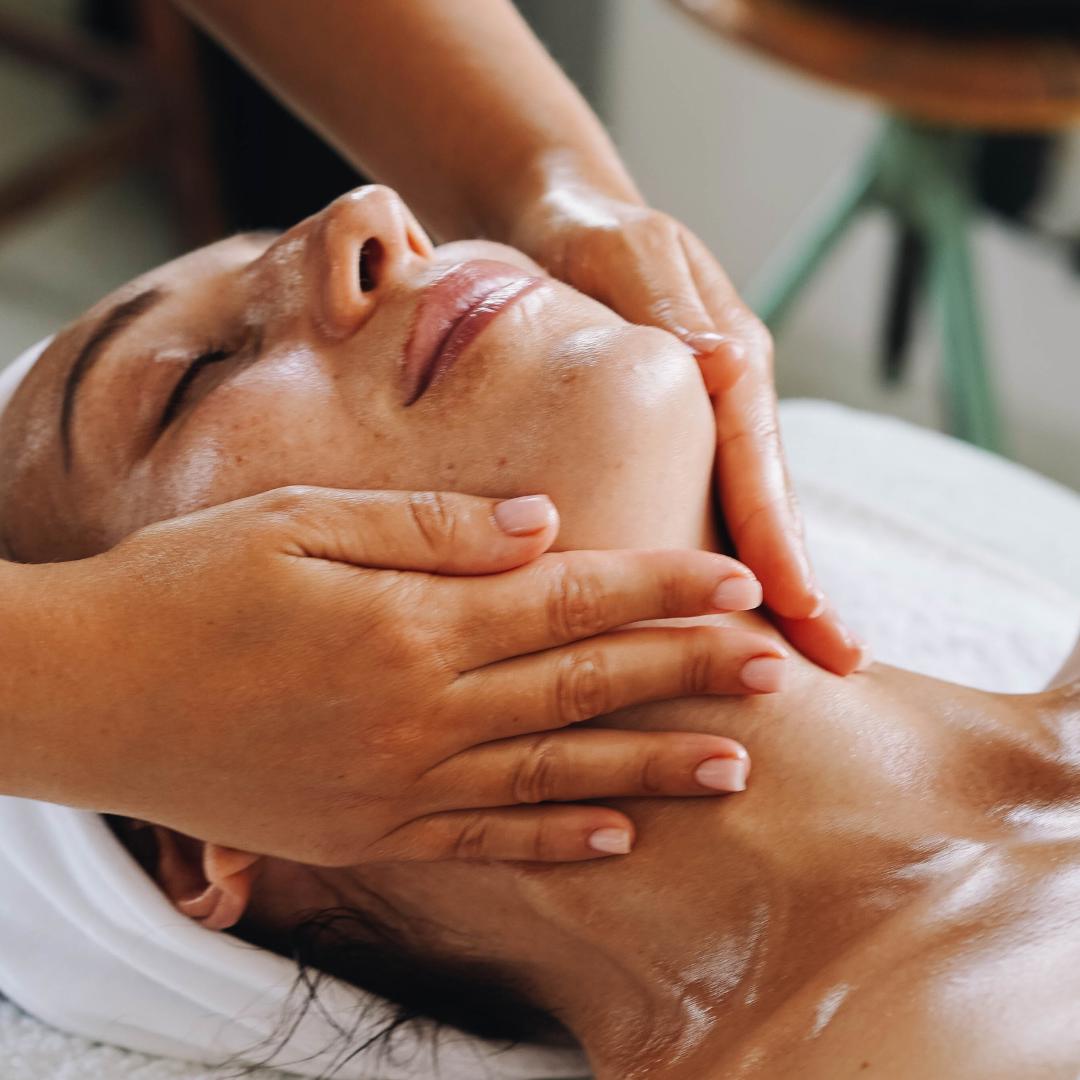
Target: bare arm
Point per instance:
(454, 104)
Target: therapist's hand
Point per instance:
(651, 269)
(299, 674)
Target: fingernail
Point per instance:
(610, 841)
(737, 594)
(820, 603)
(705, 341)
(524, 516)
(765, 674)
(866, 657)
(722, 774)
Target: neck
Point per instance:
(736, 919)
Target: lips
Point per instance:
(454, 309)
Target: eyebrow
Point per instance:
(122, 315)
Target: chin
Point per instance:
(637, 466)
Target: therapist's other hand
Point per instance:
(301, 674)
(653, 270)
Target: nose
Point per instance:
(363, 245)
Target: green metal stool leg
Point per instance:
(923, 175)
(926, 179)
(785, 275)
(953, 283)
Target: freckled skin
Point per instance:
(895, 895)
(317, 406)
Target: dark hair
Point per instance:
(376, 950)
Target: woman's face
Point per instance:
(349, 353)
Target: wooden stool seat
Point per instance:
(940, 92)
(999, 82)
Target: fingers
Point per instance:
(755, 491)
(527, 833)
(652, 282)
(826, 641)
(578, 594)
(438, 532)
(758, 504)
(627, 667)
(592, 764)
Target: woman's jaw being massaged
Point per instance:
(895, 826)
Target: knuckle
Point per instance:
(575, 604)
(651, 775)
(668, 228)
(582, 687)
(472, 838)
(434, 518)
(759, 338)
(763, 335)
(544, 844)
(699, 673)
(288, 500)
(536, 774)
(671, 596)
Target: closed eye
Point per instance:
(180, 390)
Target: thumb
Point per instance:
(667, 294)
(738, 340)
(436, 532)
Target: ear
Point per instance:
(207, 882)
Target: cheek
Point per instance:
(258, 434)
(614, 425)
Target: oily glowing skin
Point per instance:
(558, 395)
(895, 893)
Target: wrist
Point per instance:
(23, 650)
(52, 738)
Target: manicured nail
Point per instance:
(705, 342)
(722, 774)
(866, 657)
(525, 516)
(765, 674)
(610, 841)
(821, 603)
(737, 594)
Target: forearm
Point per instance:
(47, 749)
(453, 103)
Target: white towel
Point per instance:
(950, 561)
(13, 374)
(89, 944)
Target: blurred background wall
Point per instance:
(738, 148)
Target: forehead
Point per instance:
(222, 257)
(226, 255)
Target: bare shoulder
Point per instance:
(977, 980)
